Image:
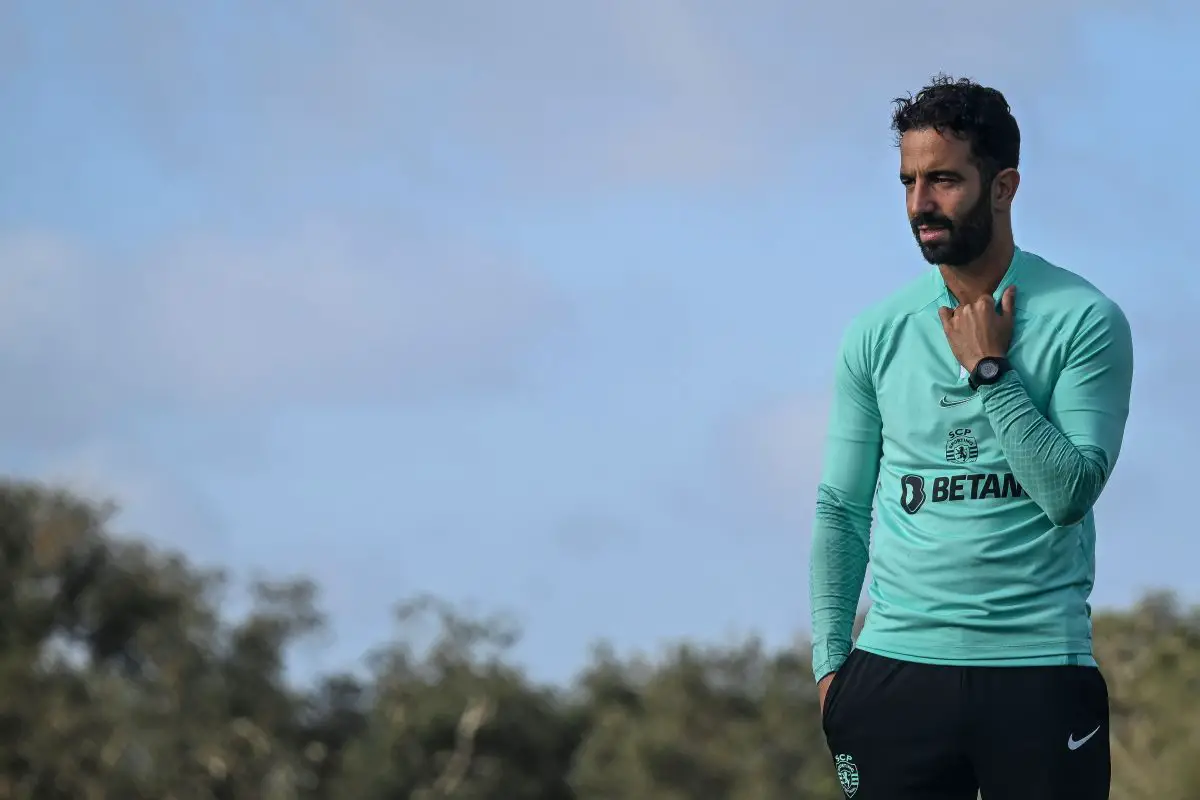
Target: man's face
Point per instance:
(948, 208)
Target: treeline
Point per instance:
(120, 678)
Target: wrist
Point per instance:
(1007, 380)
(987, 371)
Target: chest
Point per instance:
(930, 414)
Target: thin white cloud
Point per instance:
(609, 90)
(595, 89)
(216, 324)
(775, 457)
(150, 502)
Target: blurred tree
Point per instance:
(1151, 659)
(733, 722)
(122, 677)
(451, 719)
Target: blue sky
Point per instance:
(533, 305)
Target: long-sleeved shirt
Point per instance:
(984, 544)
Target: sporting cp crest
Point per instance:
(961, 446)
(847, 775)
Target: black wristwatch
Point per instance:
(988, 371)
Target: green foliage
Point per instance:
(121, 678)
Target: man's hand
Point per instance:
(975, 331)
(823, 689)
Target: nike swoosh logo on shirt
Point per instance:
(947, 402)
(1075, 745)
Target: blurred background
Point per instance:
(426, 399)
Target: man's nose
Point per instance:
(921, 198)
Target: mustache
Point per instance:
(930, 219)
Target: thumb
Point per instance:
(1006, 300)
(946, 313)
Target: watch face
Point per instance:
(988, 370)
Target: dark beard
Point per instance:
(969, 237)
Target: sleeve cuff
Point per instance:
(1008, 380)
(830, 663)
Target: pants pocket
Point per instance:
(835, 689)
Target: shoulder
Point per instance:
(873, 326)
(1078, 306)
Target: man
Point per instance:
(986, 401)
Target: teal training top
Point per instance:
(984, 545)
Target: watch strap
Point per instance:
(977, 378)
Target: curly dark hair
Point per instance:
(968, 110)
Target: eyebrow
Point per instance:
(934, 173)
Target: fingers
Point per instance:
(1007, 299)
(984, 304)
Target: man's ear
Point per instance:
(1004, 189)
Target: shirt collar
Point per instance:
(1010, 278)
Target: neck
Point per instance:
(980, 278)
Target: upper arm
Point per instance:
(1090, 401)
(854, 439)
